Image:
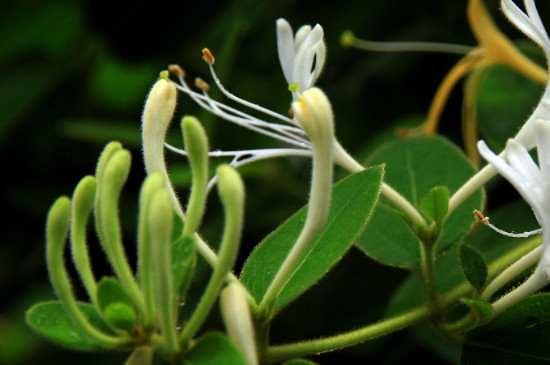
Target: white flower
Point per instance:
(531, 25)
(530, 180)
(302, 56)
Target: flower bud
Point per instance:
(238, 321)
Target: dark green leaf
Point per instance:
(473, 266)
(110, 291)
(414, 166)
(50, 320)
(183, 258)
(482, 309)
(519, 335)
(352, 202)
(500, 112)
(436, 204)
(214, 348)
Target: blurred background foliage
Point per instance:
(74, 75)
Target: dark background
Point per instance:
(74, 75)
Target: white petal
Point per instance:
(301, 34)
(519, 159)
(542, 135)
(534, 15)
(525, 188)
(525, 24)
(303, 63)
(285, 48)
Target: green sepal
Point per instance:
(120, 316)
(473, 266)
(436, 204)
(51, 320)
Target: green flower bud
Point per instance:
(120, 316)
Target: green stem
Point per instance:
(283, 352)
(344, 160)
(407, 319)
(427, 250)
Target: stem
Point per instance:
(283, 352)
(475, 182)
(427, 250)
(511, 272)
(412, 317)
(344, 160)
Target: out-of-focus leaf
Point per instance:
(415, 166)
(50, 320)
(473, 266)
(519, 335)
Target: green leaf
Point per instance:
(436, 204)
(110, 291)
(500, 112)
(353, 199)
(473, 266)
(183, 259)
(413, 167)
(482, 309)
(51, 320)
(214, 348)
(519, 335)
(516, 216)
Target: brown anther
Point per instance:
(484, 220)
(177, 70)
(201, 84)
(207, 56)
(291, 113)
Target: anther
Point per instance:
(484, 220)
(201, 84)
(291, 113)
(177, 70)
(207, 56)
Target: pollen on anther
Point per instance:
(291, 113)
(484, 220)
(177, 70)
(201, 84)
(207, 56)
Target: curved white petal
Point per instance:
(301, 34)
(533, 13)
(305, 55)
(519, 159)
(529, 27)
(542, 136)
(285, 48)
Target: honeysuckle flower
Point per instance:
(532, 181)
(531, 25)
(302, 56)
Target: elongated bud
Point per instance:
(160, 217)
(158, 112)
(196, 145)
(314, 112)
(231, 189)
(82, 205)
(238, 321)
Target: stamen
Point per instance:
(201, 84)
(207, 56)
(177, 70)
(485, 220)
